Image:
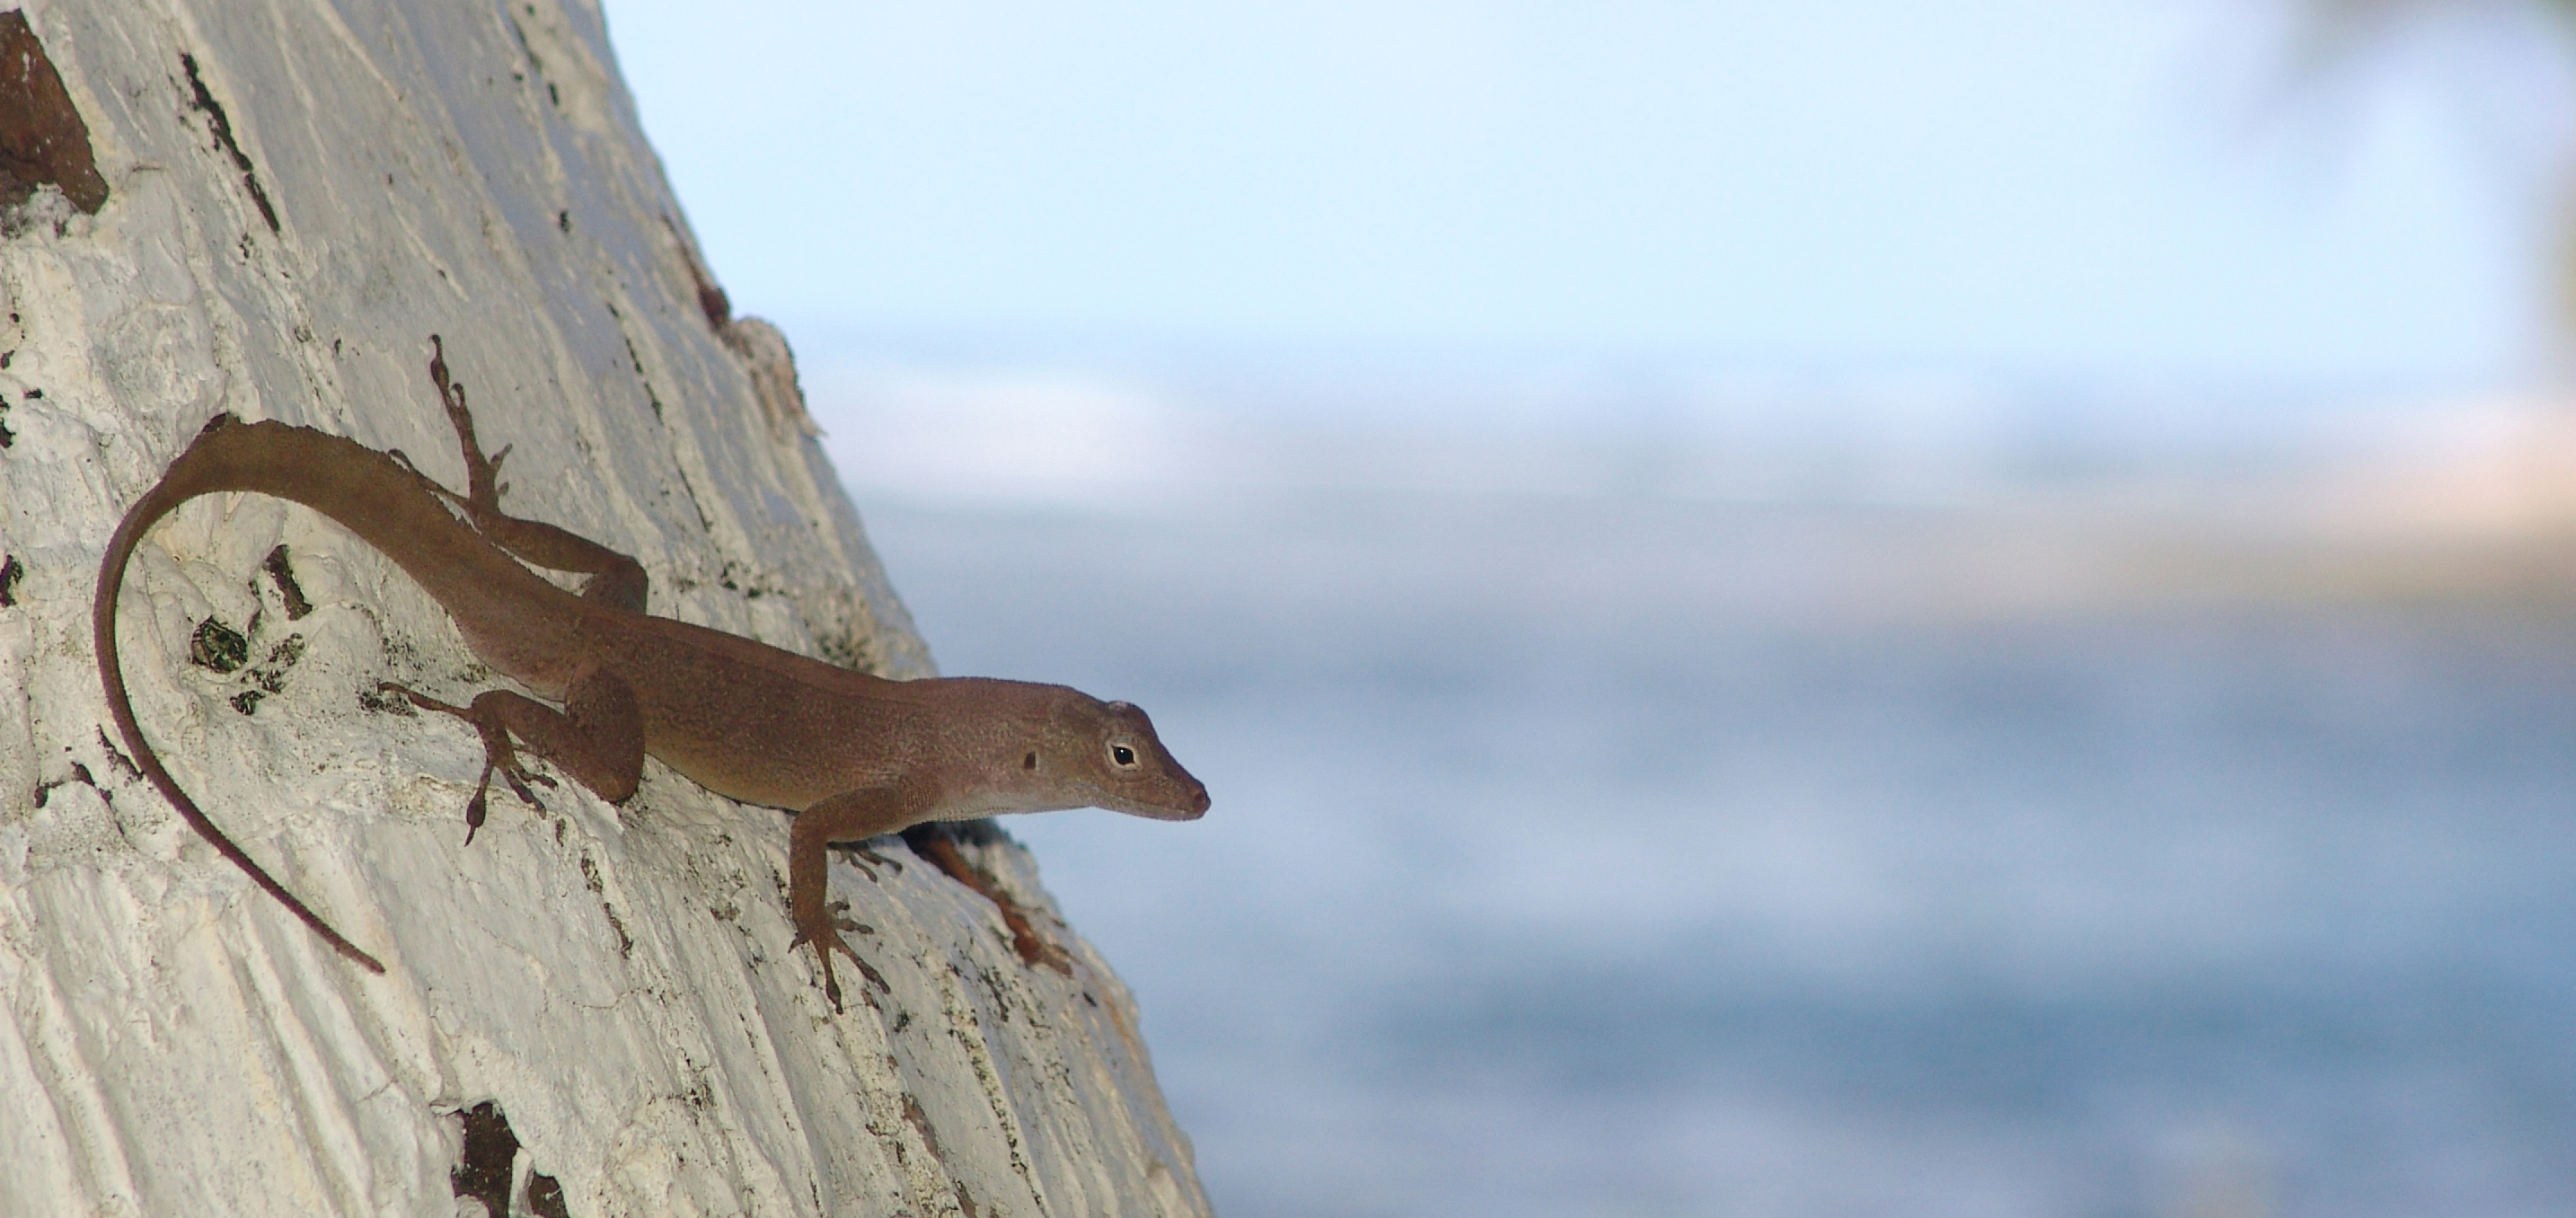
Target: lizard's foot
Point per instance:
(849, 854)
(466, 502)
(483, 487)
(878, 859)
(826, 940)
(941, 849)
(846, 925)
(498, 755)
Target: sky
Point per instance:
(2085, 188)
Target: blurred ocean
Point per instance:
(1798, 800)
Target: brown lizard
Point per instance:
(851, 755)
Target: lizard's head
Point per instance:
(1108, 752)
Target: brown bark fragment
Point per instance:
(42, 138)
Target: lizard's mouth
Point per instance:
(1190, 806)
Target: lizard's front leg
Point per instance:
(850, 816)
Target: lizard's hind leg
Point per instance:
(598, 739)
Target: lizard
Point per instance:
(849, 755)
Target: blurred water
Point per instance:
(1625, 857)
(1621, 852)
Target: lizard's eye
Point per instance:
(1122, 754)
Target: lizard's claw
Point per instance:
(519, 778)
(828, 941)
(874, 977)
(848, 854)
(878, 859)
(498, 754)
(839, 908)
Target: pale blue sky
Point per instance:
(2104, 188)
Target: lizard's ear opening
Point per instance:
(1030, 762)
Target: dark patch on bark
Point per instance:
(920, 1122)
(222, 124)
(80, 774)
(270, 676)
(42, 138)
(536, 64)
(284, 573)
(116, 757)
(491, 1151)
(599, 888)
(635, 360)
(712, 300)
(546, 1197)
(746, 585)
(848, 650)
(218, 647)
(10, 574)
(696, 504)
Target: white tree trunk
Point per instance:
(297, 194)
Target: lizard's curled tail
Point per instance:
(184, 482)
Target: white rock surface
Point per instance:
(617, 981)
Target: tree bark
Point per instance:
(589, 1010)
